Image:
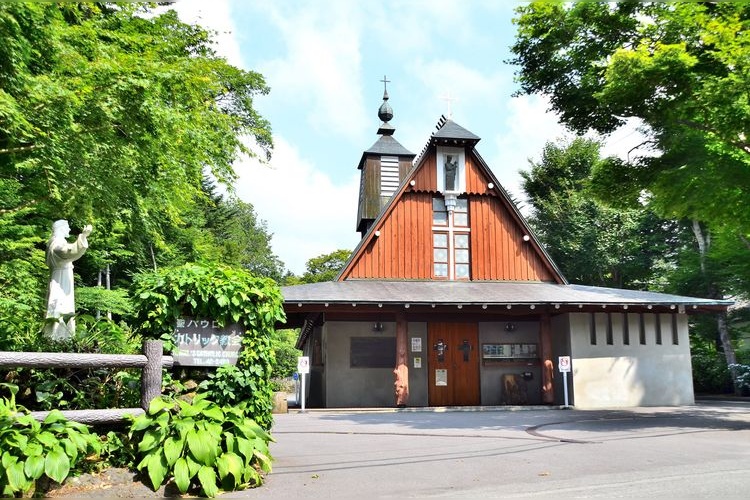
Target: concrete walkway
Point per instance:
(687, 452)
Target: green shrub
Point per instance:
(741, 377)
(283, 342)
(200, 445)
(710, 374)
(66, 388)
(32, 450)
(227, 296)
(228, 385)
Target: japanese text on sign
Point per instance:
(202, 342)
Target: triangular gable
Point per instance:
(399, 244)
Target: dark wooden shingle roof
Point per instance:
(478, 293)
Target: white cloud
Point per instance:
(528, 127)
(321, 69)
(628, 141)
(467, 85)
(308, 214)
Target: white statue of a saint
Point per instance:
(60, 297)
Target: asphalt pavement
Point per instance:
(697, 451)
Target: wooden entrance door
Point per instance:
(454, 364)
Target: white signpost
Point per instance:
(303, 368)
(563, 364)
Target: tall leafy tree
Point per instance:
(324, 267)
(240, 237)
(112, 116)
(683, 70)
(593, 243)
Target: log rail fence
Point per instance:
(150, 362)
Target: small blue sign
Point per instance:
(296, 376)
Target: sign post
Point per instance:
(563, 365)
(303, 367)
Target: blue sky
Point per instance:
(324, 61)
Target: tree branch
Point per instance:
(4, 211)
(19, 149)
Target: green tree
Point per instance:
(592, 243)
(284, 342)
(682, 69)
(112, 117)
(324, 267)
(246, 241)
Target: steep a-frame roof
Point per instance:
(365, 296)
(398, 245)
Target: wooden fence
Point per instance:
(151, 362)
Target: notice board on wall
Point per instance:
(372, 352)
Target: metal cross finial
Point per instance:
(385, 81)
(450, 100)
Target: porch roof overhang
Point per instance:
(362, 297)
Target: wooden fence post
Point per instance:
(151, 375)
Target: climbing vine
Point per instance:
(226, 295)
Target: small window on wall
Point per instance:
(389, 175)
(440, 254)
(461, 213)
(657, 316)
(592, 328)
(675, 331)
(461, 244)
(439, 212)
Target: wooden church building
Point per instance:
(450, 300)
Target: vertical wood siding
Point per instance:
(476, 180)
(498, 251)
(369, 197)
(404, 248)
(426, 177)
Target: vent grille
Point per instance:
(389, 178)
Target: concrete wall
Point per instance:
(491, 372)
(603, 375)
(619, 375)
(418, 376)
(560, 333)
(345, 386)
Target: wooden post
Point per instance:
(548, 367)
(401, 372)
(151, 375)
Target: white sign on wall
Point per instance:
(303, 364)
(441, 377)
(416, 344)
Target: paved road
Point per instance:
(699, 451)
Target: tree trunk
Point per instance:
(704, 244)
(726, 343)
(109, 313)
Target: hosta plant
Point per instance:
(200, 445)
(32, 450)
